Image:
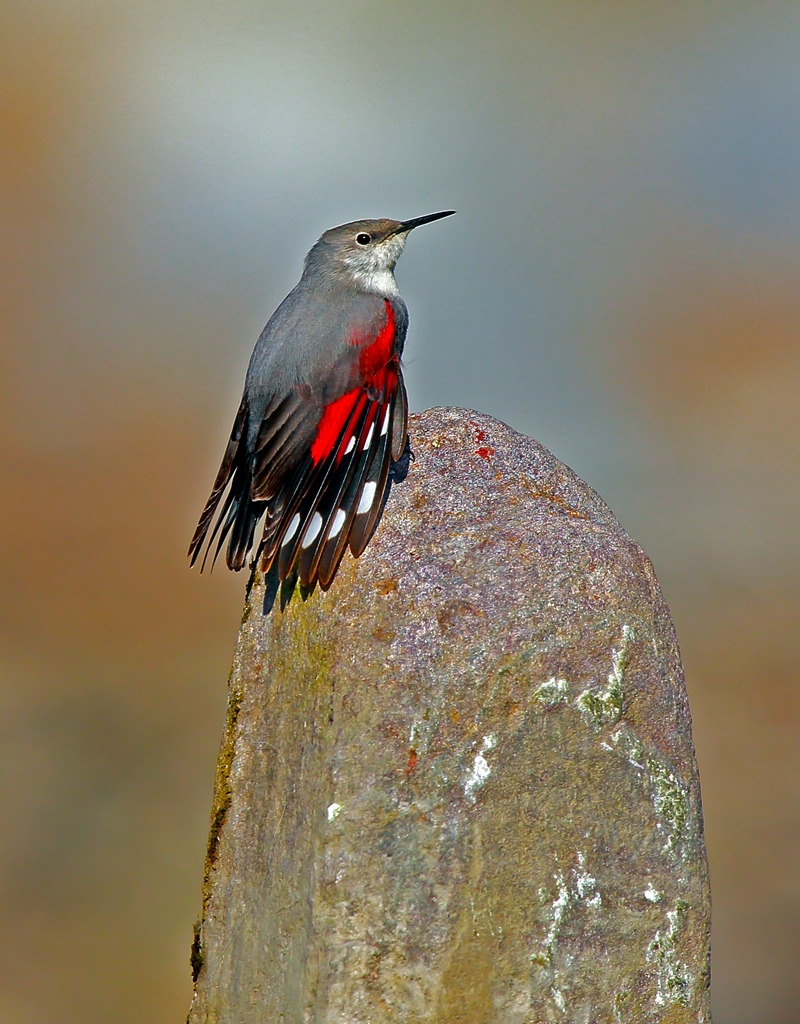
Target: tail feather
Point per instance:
(226, 469)
(239, 514)
(244, 519)
(223, 520)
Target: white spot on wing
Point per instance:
(366, 497)
(312, 530)
(338, 523)
(385, 426)
(292, 528)
(368, 438)
(350, 445)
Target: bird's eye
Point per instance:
(363, 238)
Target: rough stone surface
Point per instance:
(460, 786)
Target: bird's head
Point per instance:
(365, 252)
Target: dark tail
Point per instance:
(239, 514)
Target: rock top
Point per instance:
(461, 786)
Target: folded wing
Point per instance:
(318, 476)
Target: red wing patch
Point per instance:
(377, 366)
(340, 501)
(330, 426)
(376, 355)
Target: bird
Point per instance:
(323, 418)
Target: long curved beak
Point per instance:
(408, 225)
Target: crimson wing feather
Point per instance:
(301, 489)
(313, 516)
(342, 505)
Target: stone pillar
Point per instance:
(461, 786)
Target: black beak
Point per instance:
(407, 225)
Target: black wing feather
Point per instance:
(232, 471)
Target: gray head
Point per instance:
(364, 252)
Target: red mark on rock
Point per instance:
(412, 760)
(484, 451)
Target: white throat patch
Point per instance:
(374, 268)
(380, 281)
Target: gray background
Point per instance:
(621, 282)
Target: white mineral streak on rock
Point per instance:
(480, 768)
(554, 691)
(604, 707)
(578, 891)
(586, 884)
(674, 980)
(619, 659)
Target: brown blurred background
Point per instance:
(621, 282)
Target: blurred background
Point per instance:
(621, 282)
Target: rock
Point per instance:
(460, 786)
